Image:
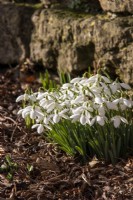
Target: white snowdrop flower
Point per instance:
(88, 106)
(66, 86)
(105, 79)
(42, 95)
(96, 90)
(33, 97)
(93, 79)
(117, 120)
(127, 103)
(78, 110)
(40, 128)
(20, 112)
(116, 101)
(78, 99)
(65, 103)
(84, 81)
(100, 120)
(32, 114)
(83, 120)
(61, 113)
(46, 120)
(98, 100)
(101, 110)
(23, 97)
(44, 103)
(112, 105)
(26, 111)
(56, 118)
(51, 107)
(75, 117)
(122, 106)
(125, 86)
(76, 80)
(92, 121)
(114, 87)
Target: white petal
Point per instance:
(83, 119)
(51, 107)
(22, 97)
(116, 120)
(32, 114)
(111, 105)
(20, 112)
(106, 79)
(100, 120)
(101, 111)
(125, 86)
(75, 80)
(128, 103)
(56, 118)
(40, 128)
(35, 126)
(98, 100)
(75, 117)
(124, 120)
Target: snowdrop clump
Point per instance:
(92, 102)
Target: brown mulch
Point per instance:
(38, 170)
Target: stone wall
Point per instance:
(67, 40)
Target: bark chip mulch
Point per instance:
(31, 168)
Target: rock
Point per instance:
(72, 42)
(15, 33)
(117, 6)
(66, 40)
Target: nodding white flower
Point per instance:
(124, 102)
(125, 86)
(95, 90)
(114, 87)
(94, 78)
(101, 110)
(83, 119)
(45, 102)
(105, 79)
(98, 100)
(40, 128)
(51, 107)
(127, 103)
(117, 120)
(33, 97)
(59, 114)
(25, 111)
(23, 97)
(76, 80)
(32, 114)
(41, 95)
(100, 120)
(78, 99)
(56, 118)
(75, 117)
(66, 86)
(112, 105)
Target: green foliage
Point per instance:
(46, 82)
(9, 167)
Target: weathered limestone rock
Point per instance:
(15, 33)
(71, 42)
(66, 40)
(117, 5)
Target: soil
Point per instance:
(31, 168)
